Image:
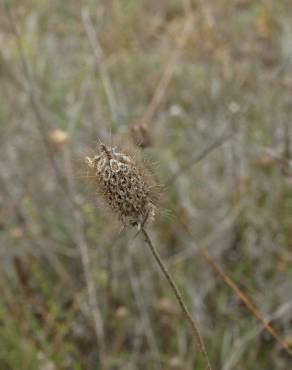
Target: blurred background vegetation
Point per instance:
(207, 87)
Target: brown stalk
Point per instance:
(187, 314)
(234, 287)
(247, 302)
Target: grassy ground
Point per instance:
(76, 293)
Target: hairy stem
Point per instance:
(195, 330)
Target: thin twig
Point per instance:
(69, 196)
(247, 302)
(33, 94)
(198, 157)
(243, 298)
(196, 333)
(137, 288)
(168, 73)
(85, 259)
(239, 346)
(99, 58)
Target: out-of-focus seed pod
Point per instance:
(141, 135)
(58, 137)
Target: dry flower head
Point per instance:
(141, 135)
(123, 185)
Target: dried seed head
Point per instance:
(141, 135)
(123, 185)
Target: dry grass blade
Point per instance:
(247, 302)
(85, 260)
(99, 58)
(193, 160)
(168, 73)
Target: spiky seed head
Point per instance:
(123, 186)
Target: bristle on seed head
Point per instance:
(123, 186)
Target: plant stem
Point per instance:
(196, 333)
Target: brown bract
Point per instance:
(123, 186)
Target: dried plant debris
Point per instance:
(124, 185)
(141, 135)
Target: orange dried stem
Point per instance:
(247, 302)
